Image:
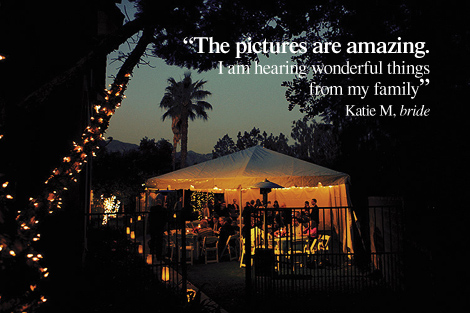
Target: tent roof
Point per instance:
(245, 168)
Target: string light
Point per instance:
(56, 184)
(199, 198)
(111, 207)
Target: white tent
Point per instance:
(237, 173)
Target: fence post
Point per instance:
(184, 269)
(248, 282)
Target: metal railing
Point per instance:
(293, 256)
(285, 254)
(133, 228)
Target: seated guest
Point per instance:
(214, 222)
(235, 225)
(298, 228)
(220, 223)
(280, 232)
(204, 231)
(311, 230)
(245, 228)
(225, 231)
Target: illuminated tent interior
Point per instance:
(237, 173)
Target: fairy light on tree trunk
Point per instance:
(61, 178)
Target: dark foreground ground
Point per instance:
(223, 282)
(112, 280)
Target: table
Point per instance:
(191, 240)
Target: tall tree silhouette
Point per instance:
(184, 101)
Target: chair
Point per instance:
(210, 245)
(190, 248)
(173, 245)
(317, 250)
(324, 243)
(229, 249)
(295, 252)
(236, 244)
(319, 244)
(242, 257)
(177, 245)
(313, 247)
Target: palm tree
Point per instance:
(184, 101)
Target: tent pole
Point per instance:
(240, 220)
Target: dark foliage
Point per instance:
(386, 155)
(226, 145)
(314, 142)
(123, 173)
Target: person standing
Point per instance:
(306, 207)
(206, 213)
(234, 209)
(224, 211)
(210, 205)
(315, 212)
(158, 218)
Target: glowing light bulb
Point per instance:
(165, 273)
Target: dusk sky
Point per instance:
(240, 102)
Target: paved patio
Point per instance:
(223, 282)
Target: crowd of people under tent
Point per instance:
(222, 220)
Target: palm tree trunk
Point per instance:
(173, 153)
(184, 141)
(175, 128)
